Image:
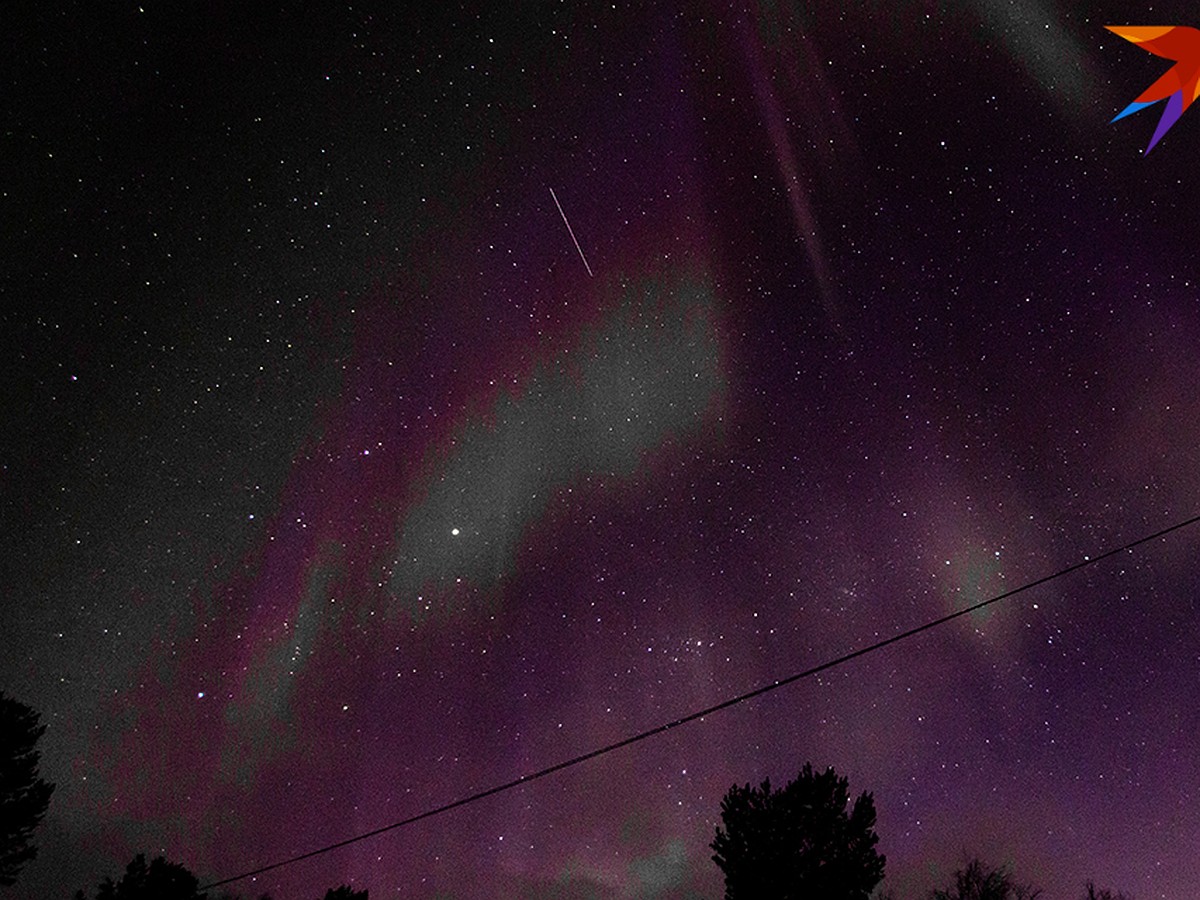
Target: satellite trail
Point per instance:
(571, 232)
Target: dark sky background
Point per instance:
(333, 487)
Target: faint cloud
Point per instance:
(260, 719)
(665, 871)
(1035, 36)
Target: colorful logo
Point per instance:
(1180, 85)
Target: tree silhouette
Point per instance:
(23, 795)
(1095, 893)
(161, 880)
(345, 892)
(798, 842)
(979, 882)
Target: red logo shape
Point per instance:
(1181, 83)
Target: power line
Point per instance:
(683, 720)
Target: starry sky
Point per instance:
(333, 487)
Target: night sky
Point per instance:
(334, 488)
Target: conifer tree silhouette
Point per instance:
(24, 797)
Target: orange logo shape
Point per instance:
(1181, 83)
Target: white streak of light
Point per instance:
(571, 232)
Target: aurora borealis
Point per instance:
(334, 487)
